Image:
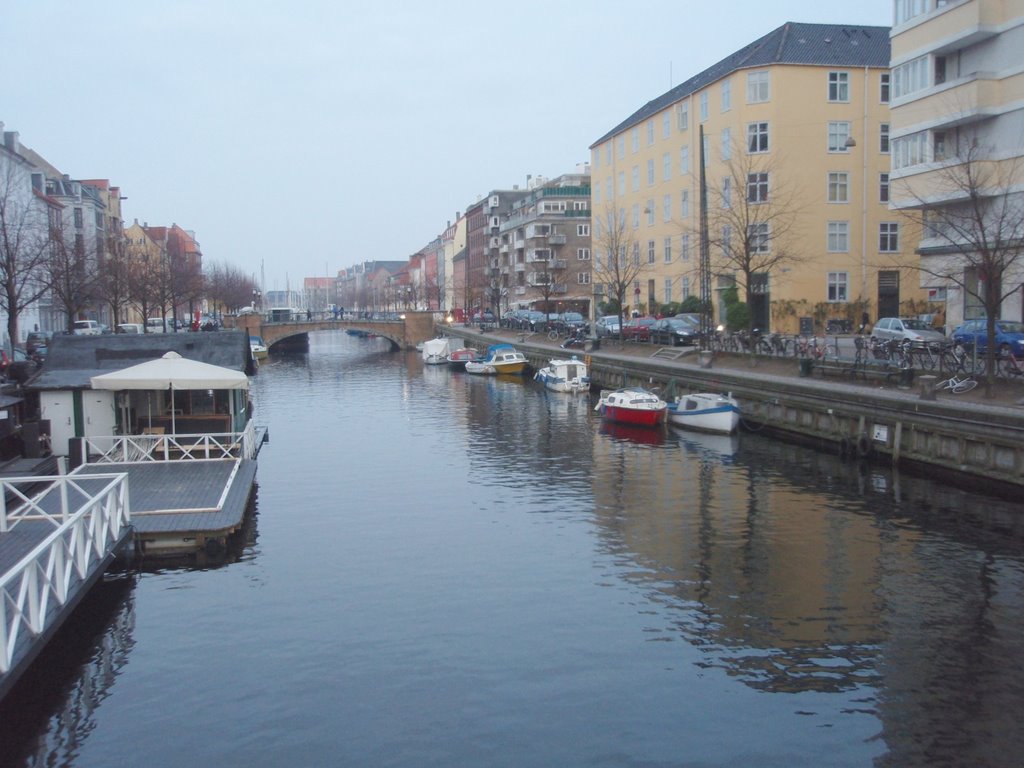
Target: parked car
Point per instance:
(607, 326)
(909, 329)
(86, 328)
(675, 331)
(693, 318)
(36, 339)
(569, 322)
(129, 328)
(1009, 335)
(20, 366)
(638, 328)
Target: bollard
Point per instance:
(927, 390)
(706, 356)
(806, 367)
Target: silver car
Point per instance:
(910, 329)
(608, 326)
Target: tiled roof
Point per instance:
(820, 45)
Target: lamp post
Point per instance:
(257, 296)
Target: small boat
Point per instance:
(564, 376)
(705, 412)
(435, 351)
(359, 333)
(258, 348)
(458, 358)
(500, 358)
(632, 405)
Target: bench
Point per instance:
(869, 370)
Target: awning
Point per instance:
(171, 371)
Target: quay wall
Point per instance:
(979, 443)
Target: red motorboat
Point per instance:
(458, 358)
(632, 405)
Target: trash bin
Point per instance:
(806, 367)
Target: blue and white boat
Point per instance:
(705, 412)
(564, 376)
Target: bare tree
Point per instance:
(73, 274)
(617, 264)
(751, 215)
(114, 283)
(25, 243)
(972, 220)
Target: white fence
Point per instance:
(88, 515)
(135, 448)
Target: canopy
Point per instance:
(172, 371)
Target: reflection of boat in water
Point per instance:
(709, 446)
(633, 433)
(705, 412)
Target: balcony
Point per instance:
(520, 267)
(520, 290)
(559, 288)
(503, 248)
(958, 26)
(958, 102)
(556, 239)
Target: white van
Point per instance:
(86, 328)
(129, 328)
(159, 325)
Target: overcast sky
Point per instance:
(309, 136)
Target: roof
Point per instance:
(820, 45)
(71, 361)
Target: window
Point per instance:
(608, 153)
(683, 115)
(78, 218)
(704, 106)
(666, 208)
(726, 143)
(839, 86)
(622, 182)
(684, 160)
(726, 96)
(666, 124)
(909, 150)
(649, 210)
(684, 247)
(666, 167)
(910, 77)
(757, 87)
(650, 251)
(838, 187)
(838, 236)
(650, 132)
(758, 237)
(583, 230)
(726, 239)
(883, 95)
(636, 178)
(883, 138)
(684, 203)
(580, 205)
(727, 192)
(634, 138)
(838, 134)
(685, 287)
(620, 147)
(597, 191)
(583, 254)
(888, 237)
(636, 254)
(636, 215)
(583, 278)
(939, 145)
(757, 187)
(668, 250)
(757, 137)
(883, 187)
(650, 173)
(837, 283)
(908, 9)
(668, 290)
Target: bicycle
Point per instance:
(957, 385)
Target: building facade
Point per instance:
(796, 149)
(958, 148)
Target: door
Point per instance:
(59, 409)
(888, 294)
(760, 301)
(100, 418)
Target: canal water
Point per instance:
(446, 570)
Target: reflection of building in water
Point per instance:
(76, 673)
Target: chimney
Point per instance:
(11, 139)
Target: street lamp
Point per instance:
(256, 297)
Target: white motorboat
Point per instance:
(705, 412)
(564, 376)
(500, 358)
(436, 351)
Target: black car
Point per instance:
(675, 331)
(36, 339)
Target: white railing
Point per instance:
(122, 449)
(87, 522)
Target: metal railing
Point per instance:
(87, 522)
(122, 449)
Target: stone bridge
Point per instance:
(415, 328)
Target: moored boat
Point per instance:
(500, 358)
(458, 358)
(705, 412)
(435, 351)
(564, 376)
(258, 348)
(632, 405)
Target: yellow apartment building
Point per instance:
(957, 132)
(796, 137)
